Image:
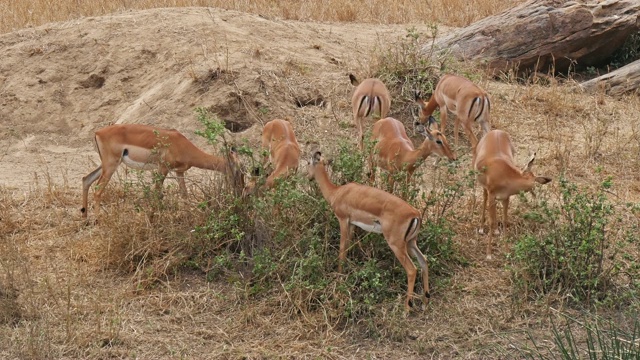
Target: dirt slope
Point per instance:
(60, 82)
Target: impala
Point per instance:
(500, 178)
(374, 210)
(395, 152)
(284, 151)
(370, 99)
(464, 99)
(148, 148)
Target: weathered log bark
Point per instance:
(618, 82)
(543, 35)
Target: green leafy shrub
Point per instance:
(576, 250)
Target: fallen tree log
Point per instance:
(618, 82)
(545, 35)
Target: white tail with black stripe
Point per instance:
(370, 99)
(377, 211)
(468, 102)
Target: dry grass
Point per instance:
(16, 15)
(121, 289)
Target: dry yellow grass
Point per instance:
(16, 15)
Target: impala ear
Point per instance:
(542, 179)
(316, 158)
(529, 164)
(432, 121)
(353, 80)
(422, 130)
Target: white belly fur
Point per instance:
(374, 228)
(139, 165)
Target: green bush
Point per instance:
(286, 240)
(576, 250)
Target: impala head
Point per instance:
(528, 173)
(316, 159)
(440, 145)
(420, 101)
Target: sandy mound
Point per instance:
(60, 82)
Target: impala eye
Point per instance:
(439, 142)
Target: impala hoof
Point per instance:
(481, 231)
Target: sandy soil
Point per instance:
(61, 82)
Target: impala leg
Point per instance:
(107, 172)
(392, 182)
(403, 257)
(456, 130)
(346, 230)
(181, 185)
(484, 210)
(424, 266)
(472, 137)
(372, 168)
(492, 224)
(410, 177)
(443, 119)
(505, 208)
(86, 184)
(162, 173)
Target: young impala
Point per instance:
(500, 178)
(394, 150)
(468, 102)
(148, 148)
(370, 99)
(284, 151)
(376, 211)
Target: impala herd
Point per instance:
(369, 208)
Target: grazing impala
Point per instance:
(148, 148)
(284, 151)
(376, 211)
(370, 99)
(464, 99)
(500, 178)
(394, 150)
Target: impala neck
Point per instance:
(322, 178)
(411, 157)
(209, 162)
(428, 110)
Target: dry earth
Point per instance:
(60, 82)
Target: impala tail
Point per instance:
(413, 229)
(479, 112)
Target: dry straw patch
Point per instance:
(20, 14)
